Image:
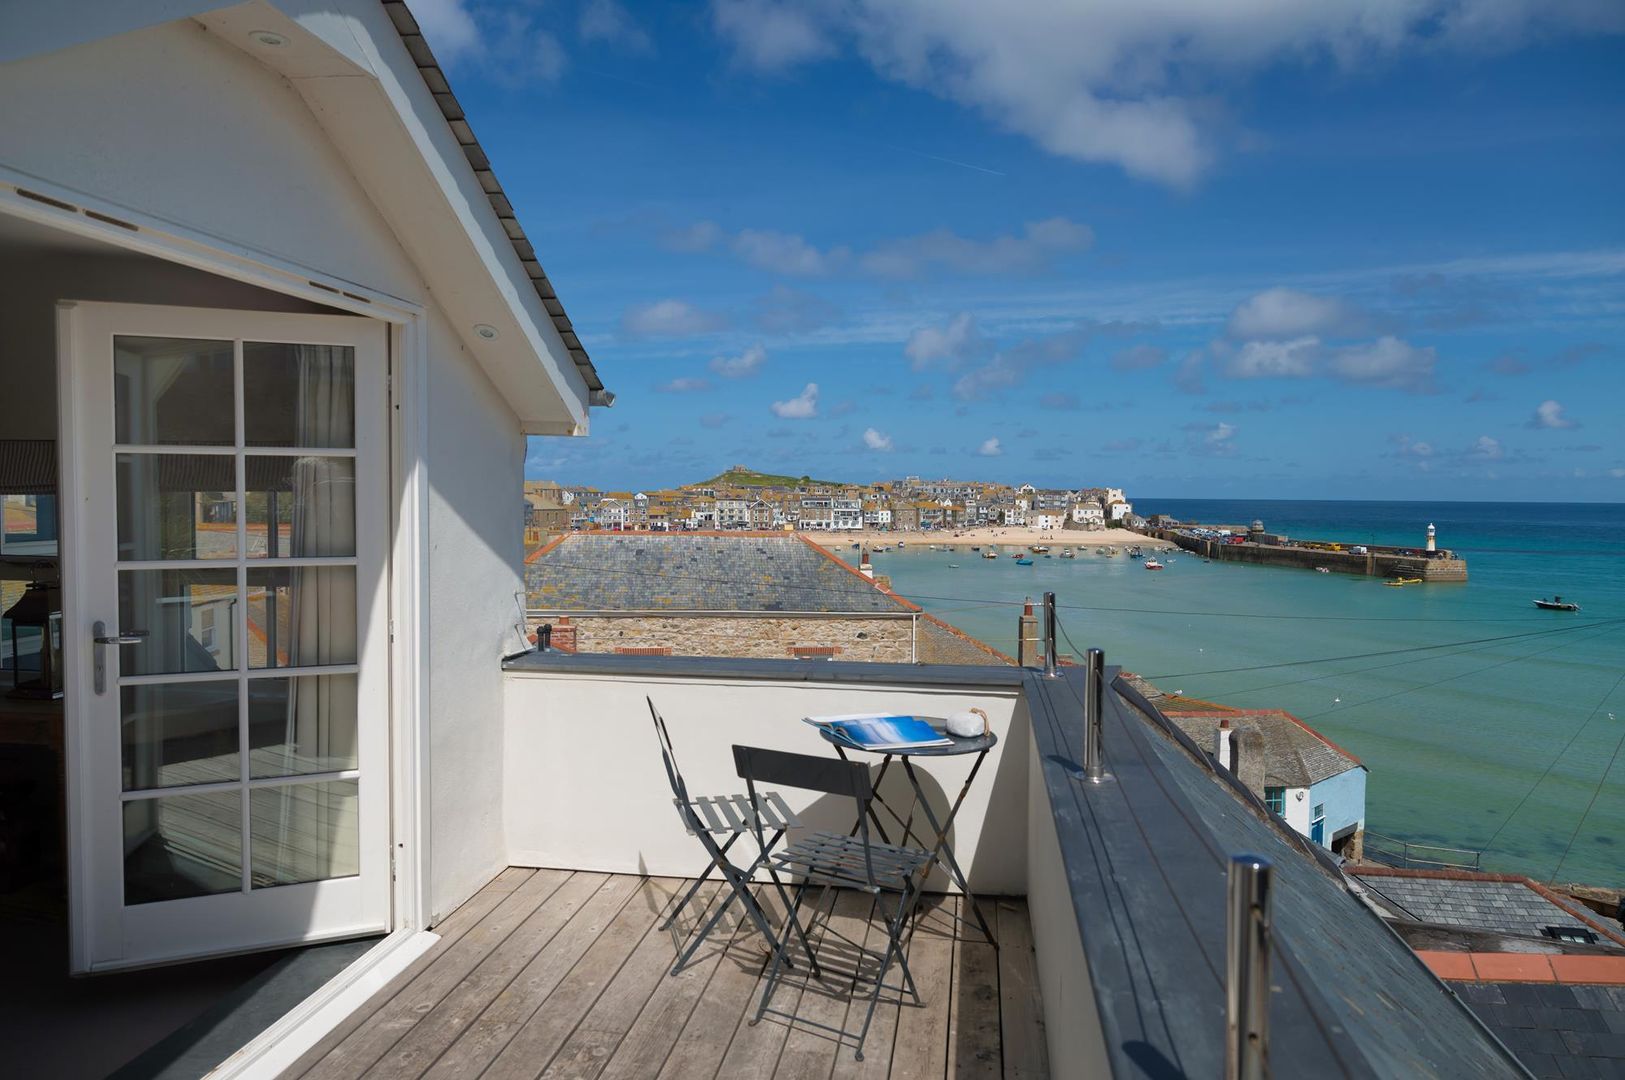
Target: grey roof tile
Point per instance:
(692, 572)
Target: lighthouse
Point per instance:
(1431, 546)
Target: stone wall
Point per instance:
(851, 637)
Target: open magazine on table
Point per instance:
(879, 731)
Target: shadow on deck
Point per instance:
(566, 974)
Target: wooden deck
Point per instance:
(560, 974)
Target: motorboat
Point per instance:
(1039, 549)
(1152, 564)
(1556, 603)
(953, 566)
(1403, 581)
(1321, 570)
(990, 554)
(1022, 560)
(1069, 553)
(1135, 552)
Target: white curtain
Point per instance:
(318, 833)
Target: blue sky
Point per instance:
(1354, 250)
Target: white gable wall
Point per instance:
(173, 123)
(169, 122)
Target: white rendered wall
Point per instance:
(476, 458)
(1296, 810)
(171, 122)
(585, 788)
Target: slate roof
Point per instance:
(1295, 756)
(1510, 907)
(1556, 1031)
(697, 572)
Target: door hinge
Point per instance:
(392, 862)
(392, 631)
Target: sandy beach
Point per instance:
(964, 538)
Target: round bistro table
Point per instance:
(942, 853)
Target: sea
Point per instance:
(1486, 724)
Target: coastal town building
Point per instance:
(1316, 786)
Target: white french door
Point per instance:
(224, 554)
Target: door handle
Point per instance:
(101, 638)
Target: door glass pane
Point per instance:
(179, 733)
(182, 845)
(312, 501)
(173, 391)
(177, 506)
(298, 395)
(303, 724)
(190, 616)
(304, 832)
(301, 615)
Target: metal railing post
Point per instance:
(1247, 977)
(1094, 693)
(1049, 635)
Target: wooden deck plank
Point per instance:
(754, 1051)
(877, 1048)
(809, 1052)
(733, 988)
(451, 930)
(441, 1026)
(507, 1013)
(643, 986)
(389, 1024)
(648, 1044)
(552, 1024)
(920, 1050)
(973, 1008)
(1021, 1009)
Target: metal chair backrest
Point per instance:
(810, 773)
(674, 775)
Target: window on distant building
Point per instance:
(1275, 799)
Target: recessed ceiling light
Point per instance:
(269, 38)
(486, 331)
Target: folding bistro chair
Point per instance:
(709, 817)
(835, 859)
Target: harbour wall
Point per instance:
(1442, 566)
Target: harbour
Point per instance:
(1254, 544)
(1486, 722)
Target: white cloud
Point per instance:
(1032, 251)
(1387, 362)
(448, 28)
(1287, 313)
(785, 253)
(609, 22)
(876, 440)
(1125, 85)
(669, 318)
(700, 236)
(1293, 359)
(1617, 473)
(1139, 358)
(949, 345)
(684, 386)
(990, 448)
(1221, 433)
(769, 36)
(1549, 414)
(737, 367)
(804, 406)
(1485, 448)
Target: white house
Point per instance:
(251, 256)
(1046, 519)
(1088, 515)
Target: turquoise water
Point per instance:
(1455, 737)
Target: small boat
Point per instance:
(990, 554)
(1152, 564)
(953, 566)
(1039, 549)
(1556, 603)
(1022, 560)
(975, 547)
(1403, 581)
(1069, 554)
(1321, 570)
(1135, 552)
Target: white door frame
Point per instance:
(408, 584)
